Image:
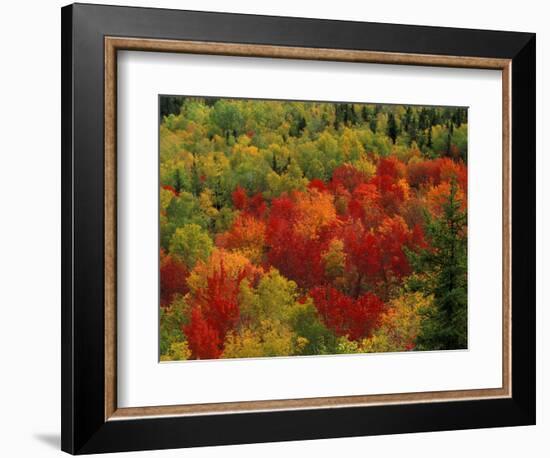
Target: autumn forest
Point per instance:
(310, 228)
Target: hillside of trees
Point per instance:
(306, 228)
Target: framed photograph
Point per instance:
(281, 228)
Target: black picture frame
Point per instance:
(84, 429)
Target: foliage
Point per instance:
(173, 274)
(443, 268)
(400, 324)
(305, 228)
(354, 318)
(269, 339)
(172, 319)
(190, 244)
(178, 351)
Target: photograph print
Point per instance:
(304, 228)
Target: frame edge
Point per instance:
(523, 133)
(67, 382)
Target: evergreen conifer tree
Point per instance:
(443, 272)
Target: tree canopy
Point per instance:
(307, 228)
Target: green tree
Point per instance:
(393, 131)
(429, 141)
(298, 126)
(181, 210)
(191, 243)
(443, 272)
(170, 105)
(272, 299)
(460, 140)
(315, 337)
(227, 116)
(373, 122)
(178, 183)
(449, 142)
(171, 321)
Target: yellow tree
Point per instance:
(400, 324)
(247, 236)
(316, 210)
(233, 263)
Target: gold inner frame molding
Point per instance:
(114, 44)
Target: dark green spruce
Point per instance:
(442, 271)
